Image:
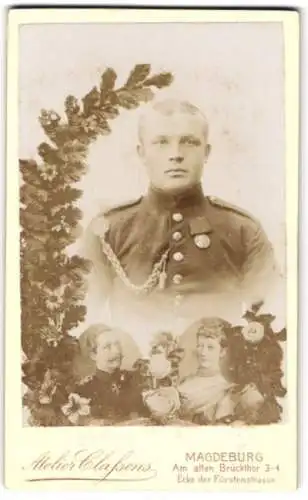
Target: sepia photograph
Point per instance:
(152, 224)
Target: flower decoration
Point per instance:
(48, 118)
(165, 356)
(160, 366)
(253, 332)
(90, 124)
(58, 208)
(55, 299)
(255, 356)
(53, 338)
(48, 172)
(163, 403)
(62, 226)
(161, 369)
(163, 342)
(75, 408)
(46, 235)
(71, 105)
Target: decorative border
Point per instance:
(53, 284)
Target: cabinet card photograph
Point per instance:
(152, 248)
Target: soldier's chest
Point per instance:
(194, 250)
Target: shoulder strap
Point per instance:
(218, 202)
(100, 224)
(122, 206)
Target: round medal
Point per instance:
(202, 241)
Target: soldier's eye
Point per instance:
(161, 141)
(190, 141)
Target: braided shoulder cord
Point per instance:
(153, 278)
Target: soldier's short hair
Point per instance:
(89, 338)
(214, 328)
(169, 107)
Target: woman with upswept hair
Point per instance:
(209, 396)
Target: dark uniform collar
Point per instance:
(191, 202)
(164, 201)
(104, 376)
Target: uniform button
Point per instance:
(178, 256)
(177, 217)
(177, 236)
(177, 278)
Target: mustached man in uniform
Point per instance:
(176, 252)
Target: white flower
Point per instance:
(49, 117)
(56, 209)
(76, 407)
(55, 300)
(62, 226)
(54, 117)
(253, 332)
(48, 172)
(159, 365)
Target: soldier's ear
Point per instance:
(140, 150)
(208, 149)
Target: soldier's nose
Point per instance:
(176, 159)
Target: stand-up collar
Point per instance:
(165, 201)
(104, 376)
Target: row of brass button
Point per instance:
(177, 256)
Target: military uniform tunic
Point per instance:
(114, 397)
(210, 255)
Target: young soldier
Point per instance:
(175, 250)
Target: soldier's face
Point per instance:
(209, 353)
(108, 354)
(174, 150)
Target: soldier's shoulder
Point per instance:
(123, 207)
(229, 207)
(100, 224)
